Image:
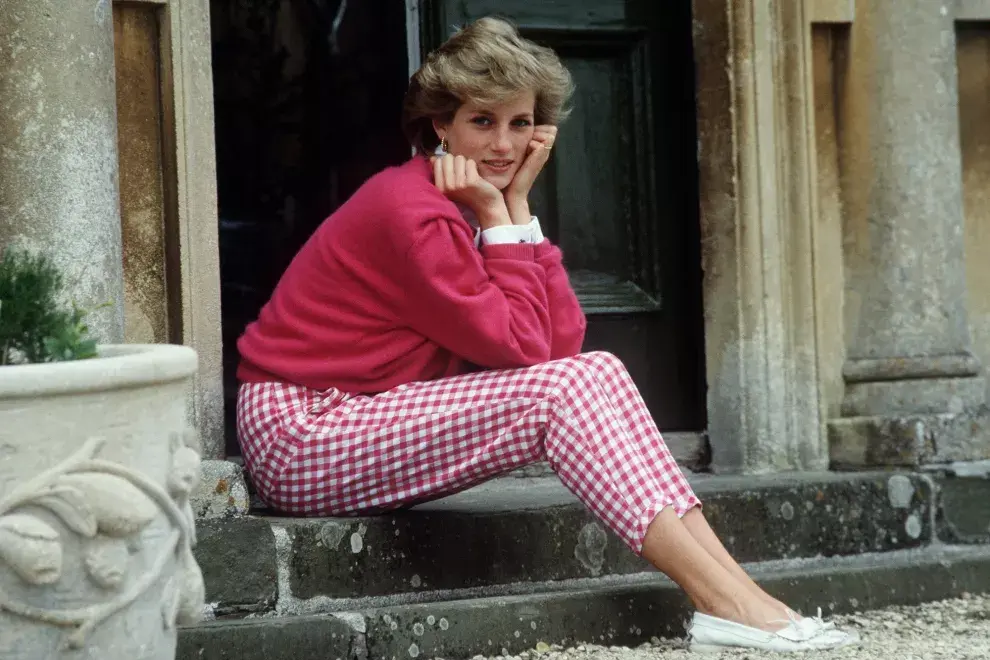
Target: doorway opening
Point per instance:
(308, 97)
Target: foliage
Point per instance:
(34, 325)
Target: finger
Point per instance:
(438, 173)
(548, 130)
(448, 172)
(546, 139)
(460, 174)
(552, 134)
(472, 172)
(537, 158)
(531, 167)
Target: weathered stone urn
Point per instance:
(97, 461)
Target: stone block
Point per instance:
(221, 492)
(295, 638)
(789, 517)
(928, 396)
(964, 509)
(909, 440)
(238, 560)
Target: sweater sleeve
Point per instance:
(488, 306)
(567, 319)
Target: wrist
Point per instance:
(519, 211)
(493, 215)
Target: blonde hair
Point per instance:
(486, 62)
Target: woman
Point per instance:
(356, 396)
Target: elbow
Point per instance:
(531, 343)
(511, 352)
(522, 344)
(539, 357)
(568, 348)
(571, 341)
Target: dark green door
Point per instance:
(620, 194)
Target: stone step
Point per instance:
(515, 532)
(616, 610)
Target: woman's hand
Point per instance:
(458, 179)
(517, 193)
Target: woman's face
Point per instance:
(495, 137)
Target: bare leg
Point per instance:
(702, 532)
(713, 588)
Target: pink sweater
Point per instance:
(392, 289)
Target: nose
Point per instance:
(500, 142)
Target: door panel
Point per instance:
(601, 214)
(620, 193)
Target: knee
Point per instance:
(582, 372)
(603, 363)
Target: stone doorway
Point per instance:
(308, 95)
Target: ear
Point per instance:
(440, 129)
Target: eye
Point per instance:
(522, 123)
(481, 120)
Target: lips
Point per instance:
(498, 165)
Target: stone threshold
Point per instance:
(617, 610)
(520, 535)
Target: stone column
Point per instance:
(764, 405)
(913, 390)
(58, 147)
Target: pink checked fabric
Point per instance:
(328, 453)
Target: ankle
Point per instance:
(730, 609)
(752, 612)
(785, 611)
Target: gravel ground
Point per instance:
(947, 630)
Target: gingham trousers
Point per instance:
(330, 453)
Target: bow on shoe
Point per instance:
(816, 623)
(806, 628)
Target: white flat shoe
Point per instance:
(708, 634)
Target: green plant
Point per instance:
(34, 325)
